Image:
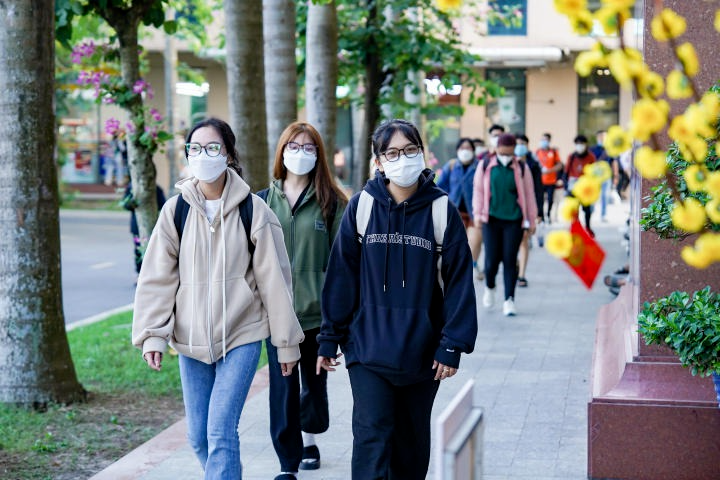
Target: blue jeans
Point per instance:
(605, 192)
(214, 396)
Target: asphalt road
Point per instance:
(98, 271)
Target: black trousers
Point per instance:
(391, 426)
(548, 195)
(298, 403)
(502, 240)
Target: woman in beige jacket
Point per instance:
(212, 299)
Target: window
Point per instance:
(598, 102)
(507, 17)
(509, 110)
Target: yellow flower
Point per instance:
(617, 141)
(712, 208)
(717, 20)
(587, 190)
(559, 243)
(620, 67)
(712, 184)
(694, 150)
(651, 84)
(698, 118)
(647, 117)
(689, 215)
(650, 163)
(711, 102)
(586, 62)
(696, 258)
(688, 57)
(680, 131)
(569, 209)
(571, 7)
(711, 242)
(600, 171)
(447, 5)
(582, 23)
(608, 15)
(667, 25)
(677, 85)
(695, 177)
(618, 4)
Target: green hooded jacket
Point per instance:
(308, 246)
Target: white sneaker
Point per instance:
(478, 273)
(489, 297)
(509, 307)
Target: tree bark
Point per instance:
(280, 70)
(246, 87)
(373, 75)
(321, 73)
(35, 362)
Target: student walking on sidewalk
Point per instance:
(206, 292)
(309, 206)
(504, 206)
(401, 331)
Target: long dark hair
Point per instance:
(384, 133)
(326, 190)
(228, 139)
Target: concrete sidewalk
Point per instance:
(531, 373)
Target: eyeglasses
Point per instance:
(309, 148)
(392, 154)
(212, 149)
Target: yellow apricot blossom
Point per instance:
(617, 141)
(711, 102)
(647, 117)
(712, 184)
(650, 163)
(559, 243)
(696, 258)
(709, 241)
(586, 62)
(677, 85)
(695, 176)
(610, 17)
(587, 190)
(569, 209)
(651, 84)
(694, 150)
(699, 120)
(688, 57)
(447, 5)
(667, 25)
(689, 215)
(680, 131)
(600, 171)
(582, 23)
(717, 20)
(571, 8)
(712, 208)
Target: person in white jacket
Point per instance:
(213, 300)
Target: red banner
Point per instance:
(586, 256)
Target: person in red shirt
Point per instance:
(574, 169)
(551, 167)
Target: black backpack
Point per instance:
(246, 214)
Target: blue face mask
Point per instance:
(521, 150)
(544, 144)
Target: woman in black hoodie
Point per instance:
(400, 322)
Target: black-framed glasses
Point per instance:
(212, 149)
(309, 148)
(392, 154)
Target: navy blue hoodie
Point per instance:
(382, 303)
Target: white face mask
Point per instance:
(493, 141)
(299, 162)
(480, 150)
(206, 168)
(580, 147)
(465, 156)
(405, 171)
(505, 159)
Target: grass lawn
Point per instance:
(127, 405)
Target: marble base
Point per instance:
(649, 418)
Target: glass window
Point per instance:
(508, 110)
(598, 102)
(507, 17)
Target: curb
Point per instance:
(96, 318)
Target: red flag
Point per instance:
(586, 256)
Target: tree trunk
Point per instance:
(321, 73)
(280, 70)
(35, 362)
(373, 76)
(246, 87)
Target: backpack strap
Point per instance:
(362, 217)
(263, 194)
(182, 208)
(440, 217)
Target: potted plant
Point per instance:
(690, 326)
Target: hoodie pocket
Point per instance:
(399, 339)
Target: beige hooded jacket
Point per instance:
(205, 299)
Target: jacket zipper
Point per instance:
(209, 307)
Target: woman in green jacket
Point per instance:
(309, 206)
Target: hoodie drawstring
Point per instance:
(402, 243)
(192, 285)
(387, 246)
(224, 305)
